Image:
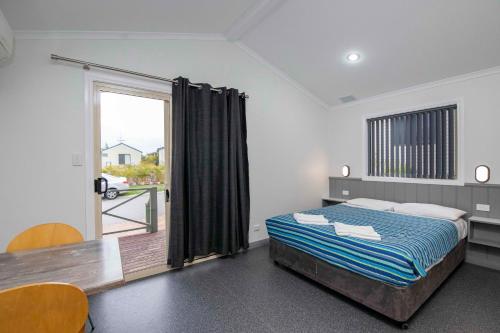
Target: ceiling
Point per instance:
(180, 16)
(402, 43)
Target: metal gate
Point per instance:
(151, 211)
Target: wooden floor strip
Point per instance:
(142, 252)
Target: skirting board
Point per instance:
(258, 243)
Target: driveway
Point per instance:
(134, 209)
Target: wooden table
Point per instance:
(94, 266)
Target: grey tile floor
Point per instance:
(248, 293)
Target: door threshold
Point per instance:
(144, 273)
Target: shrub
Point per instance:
(145, 172)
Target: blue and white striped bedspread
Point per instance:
(409, 245)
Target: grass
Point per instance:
(138, 188)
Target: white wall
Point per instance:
(42, 116)
(480, 95)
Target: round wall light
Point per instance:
(482, 174)
(346, 171)
(353, 57)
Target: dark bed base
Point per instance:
(397, 303)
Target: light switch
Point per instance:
(345, 192)
(76, 159)
(483, 207)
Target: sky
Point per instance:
(136, 121)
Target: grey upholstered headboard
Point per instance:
(463, 197)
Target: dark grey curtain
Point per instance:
(210, 201)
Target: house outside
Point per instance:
(120, 154)
(161, 156)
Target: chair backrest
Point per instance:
(43, 308)
(45, 235)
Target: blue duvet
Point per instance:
(409, 245)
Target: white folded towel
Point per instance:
(364, 232)
(310, 219)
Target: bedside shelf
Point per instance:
(327, 201)
(484, 231)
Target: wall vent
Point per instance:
(347, 99)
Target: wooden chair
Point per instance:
(45, 235)
(43, 308)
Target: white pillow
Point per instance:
(373, 204)
(429, 210)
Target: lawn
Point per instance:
(137, 188)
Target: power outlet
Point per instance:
(256, 227)
(345, 192)
(483, 207)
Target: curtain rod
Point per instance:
(87, 65)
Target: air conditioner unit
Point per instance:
(6, 39)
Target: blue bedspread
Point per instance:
(409, 245)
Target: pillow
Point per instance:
(372, 204)
(429, 210)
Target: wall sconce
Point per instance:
(346, 171)
(482, 174)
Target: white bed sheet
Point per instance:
(460, 224)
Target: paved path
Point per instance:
(134, 209)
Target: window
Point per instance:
(420, 144)
(124, 159)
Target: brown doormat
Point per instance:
(144, 251)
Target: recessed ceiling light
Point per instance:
(353, 57)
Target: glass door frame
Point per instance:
(100, 87)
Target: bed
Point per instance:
(393, 276)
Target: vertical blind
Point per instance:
(419, 144)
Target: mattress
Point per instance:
(409, 245)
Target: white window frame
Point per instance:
(460, 146)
